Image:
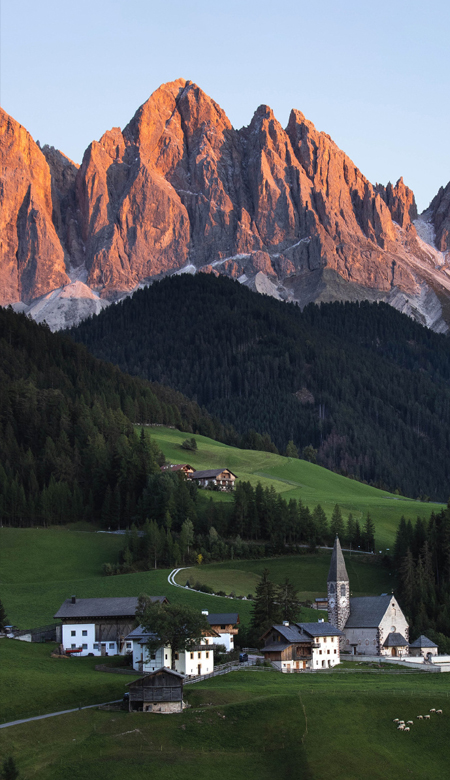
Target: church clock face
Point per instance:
(342, 601)
(331, 602)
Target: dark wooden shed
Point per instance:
(159, 691)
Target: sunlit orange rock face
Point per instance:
(439, 214)
(180, 188)
(31, 255)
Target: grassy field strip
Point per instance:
(300, 479)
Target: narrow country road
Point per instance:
(53, 714)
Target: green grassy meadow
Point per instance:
(297, 479)
(308, 573)
(254, 725)
(40, 568)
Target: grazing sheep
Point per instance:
(400, 727)
(438, 712)
(433, 710)
(427, 717)
(396, 720)
(420, 717)
(409, 722)
(406, 728)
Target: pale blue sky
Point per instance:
(374, 76)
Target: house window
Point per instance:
(73, 633)
(199, 655)
(176, 656)
(84, 633)
(165, 656)
(335, 652)
(129, 645)
(328, 652)
(73, 647)
(111, 646)
(152, 656)
(320, 652)
(222, 627)
(84, 647)
(207, 655)
(95, 646)
(325, 639)
(192, 656)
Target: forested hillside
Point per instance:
(366, 386)
(68, 448)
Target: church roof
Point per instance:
(319, 629)
(337, 571)
(367, 611)
(395, 640)
(423, 641)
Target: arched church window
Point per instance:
(342, 590)
(331, 587)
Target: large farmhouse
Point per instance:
(224, 627)
(223, 479)
(371, 625)
(99, 626)
(294, 647)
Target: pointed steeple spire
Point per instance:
(337, 572)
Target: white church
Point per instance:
(370, 625)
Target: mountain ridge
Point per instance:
(285, 211)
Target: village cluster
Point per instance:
(364, 626)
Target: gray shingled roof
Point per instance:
(395, 640)
(319, 629)
(290, 633)
(423, 641)
(367, 611)
(337, 571)
(222, 618)
(140, 633)
(210, 473)
(275, 646)
(153, 674)
(105, 607)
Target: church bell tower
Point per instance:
(338, 589)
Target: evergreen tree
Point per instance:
(265, 609)
(9, 769)
(337, 523)
(288, 601)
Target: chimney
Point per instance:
(321, 620)
(74, 599)
(205, 612)
(285, 622)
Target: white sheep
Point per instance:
(406, 728)
(400, 727)
(396, 720)
(433, 710)
(409, 722)
(438, 712)
(427, 717)
(420, 717)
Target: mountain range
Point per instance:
(179, 190)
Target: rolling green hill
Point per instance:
(297, 479)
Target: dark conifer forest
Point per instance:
(68, 447)
(358, 386)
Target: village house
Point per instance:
(295, 647)
(223, 479)
(98, 626)
(160, 691)
(224, 626)
(423, 647)
(195, 661)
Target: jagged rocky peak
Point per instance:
(284, 210)
(32, 259)
(439, 214)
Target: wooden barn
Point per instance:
(160, 691)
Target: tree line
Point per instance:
(422, 558)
